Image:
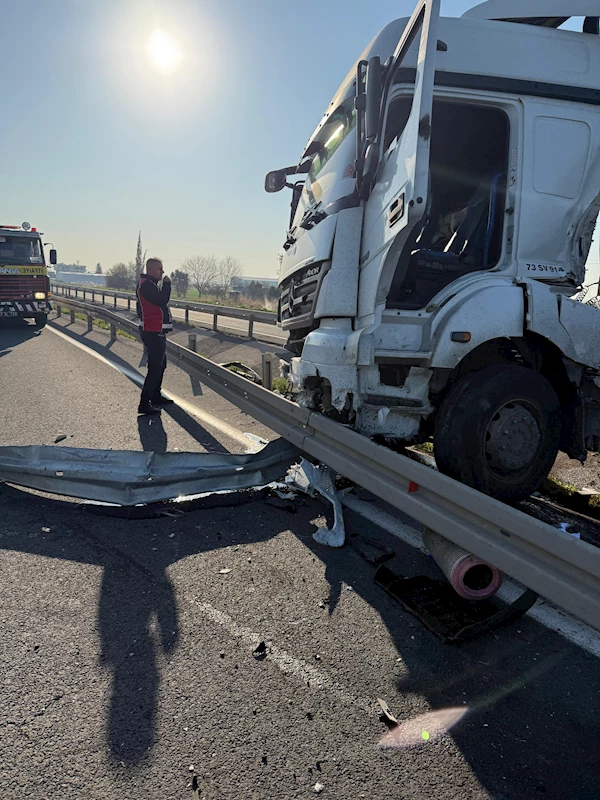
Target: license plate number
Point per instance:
(9, 313)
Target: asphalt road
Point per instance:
(126, 646)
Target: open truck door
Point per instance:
(394, 136)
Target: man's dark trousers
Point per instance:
(156, 345)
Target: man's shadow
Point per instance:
(152, 433)
(137, 618)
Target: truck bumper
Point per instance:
(23, 308)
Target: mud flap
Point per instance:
(444, 613)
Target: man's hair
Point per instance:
(153, 262)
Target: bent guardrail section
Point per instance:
(130, 478)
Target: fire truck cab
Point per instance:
(24, 283)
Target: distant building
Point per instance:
(79, 277)
(71, 268)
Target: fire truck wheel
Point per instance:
(498, 430)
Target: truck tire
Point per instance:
(40, 320)
(498, 430)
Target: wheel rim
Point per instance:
(513, 438)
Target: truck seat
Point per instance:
(472, 247)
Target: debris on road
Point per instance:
(566, 527)
(386, 714)
(225, 571)
(60, 438)
(318, 788)
(260, 651)
(319, 479)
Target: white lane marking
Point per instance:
(569, 628)
(203, 416)
(305, 673)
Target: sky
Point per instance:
(110, 128)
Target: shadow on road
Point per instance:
(148, 434)
(152, 434)
(518, 698)
(14, 333)
(137, 616)
(137, 619)
(526, 699)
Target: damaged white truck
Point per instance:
(442, 216)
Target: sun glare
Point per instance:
(163, 51)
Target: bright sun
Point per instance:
(163, 51)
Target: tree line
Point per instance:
(209, 275)
(206, 274)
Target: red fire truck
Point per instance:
(24, 283)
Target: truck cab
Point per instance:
(442, 216)
(24, 282)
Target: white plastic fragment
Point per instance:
(312, 479)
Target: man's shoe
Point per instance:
(148, 409)
(163, 401)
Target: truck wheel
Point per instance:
(40, 320)
(498, 430)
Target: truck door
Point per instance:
(398, 187)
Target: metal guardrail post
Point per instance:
(93, 296)
(113, 332)
(187, 315)
(76, 292)
(72, 316)
(90, 323)
(84, 294)
(192, 342)
(103, 298)
(215, 319)
(58, 311)
(267, 370)
(128, 304)
(251, 327)
(115, 301)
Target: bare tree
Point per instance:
(229, 269)
(203, 272)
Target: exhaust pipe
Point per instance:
(470, 577)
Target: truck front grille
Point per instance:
(21, 287)
(299, 295)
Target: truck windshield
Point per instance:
(332, 134)
(20, 250)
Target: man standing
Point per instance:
(156, 320)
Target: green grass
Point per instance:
(568, 495)
(192, 295)
(105, 326)
(281, 385)
(426, 447)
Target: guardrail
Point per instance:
(76, 292)
(560, 568)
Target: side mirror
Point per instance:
(53, 256)
(373, 92)
(275, 181)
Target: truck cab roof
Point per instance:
(546, 13)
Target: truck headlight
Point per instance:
(40, 295)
